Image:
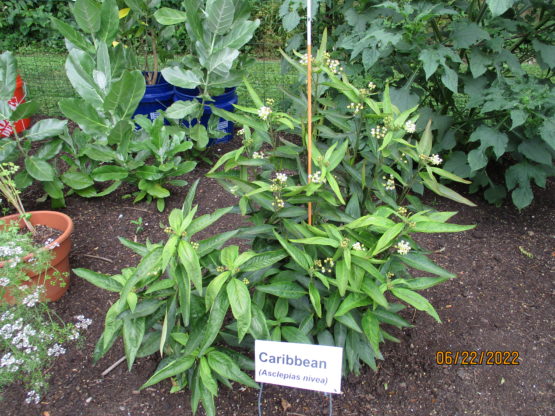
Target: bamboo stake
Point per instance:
(309, 95)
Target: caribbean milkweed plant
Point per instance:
(339, 281)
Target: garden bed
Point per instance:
(502, 300)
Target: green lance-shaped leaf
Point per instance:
(226, 367)
(215, 321)
(421, 283)
(387, 238)
(314, 295)
(294, 334)
(263, 260)
(87, 15)
(190, 260)
(299, 256)
(424, 146)
(371, 328)
(416, 300)
(8, 75)
(184, 293)
(352, 301)
(342, 276)
(133, 333)
(228, 256)
(214, 287)
(421, 262)
(439, 227)
(206, 377)
(109, 173)
(148, 265)
(173, 368)
(240, 301)
(317, 241)
(103, 281)
(39, 169)
(372, 290)
(283, 289)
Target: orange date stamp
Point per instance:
(477, 358)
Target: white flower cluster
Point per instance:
(316, 177)
(10, 362)
(358, 246)
(281, 177)
(434, 159)
(378, 132)
(326, 265)
(4, 281)
(333, 64)
(10, 250)
(82, 322)
(32, 298)
(32, 397)
(403, 247)
(56, 350)
(389, 183)
(21, 340)
(410, 126)
(355, 107)
(258, 155)
(264, 112)
(241, 132)
(371, 86)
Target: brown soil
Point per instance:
(502, 300)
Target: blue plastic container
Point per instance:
(224, 101)
(157, 97)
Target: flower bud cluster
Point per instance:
(258, 155)
(358, 246)
(403, 247)
(434, 159)
(355, 107)
(389, 184)
(378, 132)
(316, 177)
(410, 126)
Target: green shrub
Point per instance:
(338, 281)
(482, 70)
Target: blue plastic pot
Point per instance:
(224, 101)
(157, 97)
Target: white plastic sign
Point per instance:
(305, 366)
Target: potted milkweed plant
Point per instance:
(146, 37)
(211, 67)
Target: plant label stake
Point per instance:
(309, 95)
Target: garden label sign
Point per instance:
(305, 366)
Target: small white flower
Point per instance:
(56, 350)
(31, 299)
(258, 155)
(435, 160)
(410, 126)
(241, 132)
(4, 281)
(316, 177)
(358, 246)
(82, 322)
(264, 112)
(32, 397)
(356, 107)
(390, 183)
(371, 86)
(281, 177)
(403, 247)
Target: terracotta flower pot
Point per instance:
(56, 278)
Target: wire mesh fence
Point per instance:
(46, 80)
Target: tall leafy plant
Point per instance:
(482, 69)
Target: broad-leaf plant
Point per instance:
(343, 280)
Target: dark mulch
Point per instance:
(502, 300)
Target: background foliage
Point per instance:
(483, 70)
